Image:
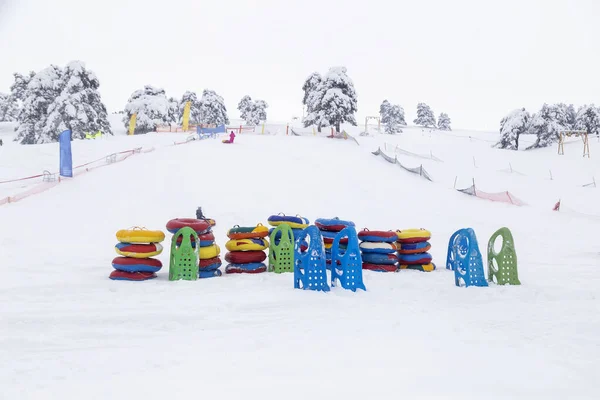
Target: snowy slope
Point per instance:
(70, 331)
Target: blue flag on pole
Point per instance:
(66, 159)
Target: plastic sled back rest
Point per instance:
(281, 255)
(503, 265)
(464, 258)
(184, 259)
(310, 272)
(349, 270)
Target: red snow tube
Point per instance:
(200, 226)
(117, 275)
(383, 236)
(380, 267)
(327, 240)
(202, 237)
(245, 257)
(208, 262)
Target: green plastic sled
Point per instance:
(503, 265)
(184, 259)
(281, 256)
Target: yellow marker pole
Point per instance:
(186, 116)
(132, 123)
(262, 132)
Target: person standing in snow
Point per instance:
(231, 137)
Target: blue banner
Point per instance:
(218, 129)
(66, 159)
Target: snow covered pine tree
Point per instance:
(252, 111)
(78, 107)
(194, 108)
(152, 108)
(335, 100)
(512, 126)
(444, 122)
(212, 109)
(9, 108)
(588, 119)
(546, 124)
(425, 116)
(313, 93)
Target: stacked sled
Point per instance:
(246, 249)
(296, 223)
(329, 228)
(136, 248)
(413, 246)
(378, 250)
(208, 251)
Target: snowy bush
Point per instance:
(212, 109)
(444, 122)
(194, 108)
(512, 126)
(252, 111)
(588, 119)
(425, 116)
(56, 99)
(330, 100)
(152, 108)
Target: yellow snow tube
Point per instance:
(211, 251)
(413, 235)
(140, 235)
(247, 244)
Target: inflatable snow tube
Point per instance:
(412, 248)
(199, 226)
(295, 222)
(378, 247)
(378, 258)
(419, 267)
(209, 252)
(248, 232)
(128, 264)
(332, 224)
(140, 236)
(135, 250)
(295, 231)
(413, 235)
(379, 267)
(412, 259)
(329, 237)
(377, 236)
(246, 244)
(252, 268)
(204, 274)
(245, 257)
(206, 239)
(209, 264)
(117, 275)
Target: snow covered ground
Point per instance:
(67, 330)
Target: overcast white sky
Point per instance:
(474, 59)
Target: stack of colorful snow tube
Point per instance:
(208, 251)
(413, 247)
(246, 247)
(136, 248)
(297, 223)
(329, 228)
(378, 250)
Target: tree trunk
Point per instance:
(517, 142)
(319, 128)
(337, 127)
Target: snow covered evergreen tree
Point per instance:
(245, 107)
(313, 93)
(384, 110)
(78, 107)
(173, 113)
(212, 109)
(152, 108)
(9, 108)
(588, 119)
(546, 124)
(19, 87)
(384, 113)
(338, 102)
(444, 122)
(567, 115)
(512, 126)
(41, 91)
(194, 109)
(252, 111)
(394, 117)
(425, 116)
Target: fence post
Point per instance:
(262, 131)
(510, 165)
(287, 127)
(455, 178)
(550, 174)
(475, 165)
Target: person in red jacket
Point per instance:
(231, 137)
